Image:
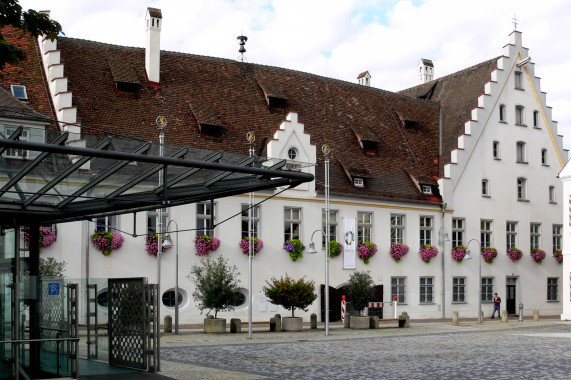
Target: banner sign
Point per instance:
(349, 243)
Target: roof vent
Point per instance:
(364, 79)
(19, 92)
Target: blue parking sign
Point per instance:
(53, 289)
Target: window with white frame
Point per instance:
(398, 289)
(364, 226)
(552, 194)
(502, 111)
(459, 289)
(486, 233)
(487, 289)
(557, 236)
(107, 223)
(485, 187)
(292, 223)
(519, 115)
(425, 230)
(204, 220)
(16, 152)
(19, 92)
(153, 221)
(517, 80)
(521, 189)
(543, 156)
(397, 229)
(426, 289)
(552, 288)
(292, 153)
(534, 235)
(332, 225)
(511, 234)
(496, 150)
(255, 221)
(458, 231)
(520, 152)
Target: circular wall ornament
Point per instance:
(161, 121)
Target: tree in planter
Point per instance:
(217, 285)
(51, 267)
(360, 290)
(291, 294)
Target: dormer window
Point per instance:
(209, 130)
(358, 182)
(126, 88)
(277, 102)
(19, 92)
(370, 147)
(410, 124)
(427, 189)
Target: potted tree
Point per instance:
(291, 294)
(360, 291)
(217, 288)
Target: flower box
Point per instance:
(152, 245)
(458, 253)
(366, 251)
(335, 248)
(514, 254)
(295, 249)
(106, 241)
(397, 251)
(245, 245)
(47, 237)
(428, 252)
(558, 255)
(205, 244)
(489, 254)
(538, 255)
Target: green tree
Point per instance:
(29, 21)
(360, 290)
(217, 285)
(51, 267)
(291, 294)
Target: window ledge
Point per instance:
(552, 202)
(521, 162)
(502, 121)
(425, 303)
(536, 127)
(523, 200)
(521, 125)
(459, 302)
(547, 165)
(497, 158)
(555, 301)
(519, 88)
(486, 196)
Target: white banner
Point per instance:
(349, 243)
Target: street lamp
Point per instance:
(312, 250)
(442, 239)
(168, 244)
(468, 257)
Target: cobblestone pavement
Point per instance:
(435, 350)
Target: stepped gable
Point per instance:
(198, 92)
(28, 73)
(458, 95)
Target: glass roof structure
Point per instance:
(80, 177)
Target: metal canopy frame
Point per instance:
(65, 183)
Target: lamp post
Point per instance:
(161, 124)
(442, 239)
(167, 244)
(468, 257)
(251, 138)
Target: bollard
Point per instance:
(373, 322)
(278, 319)
(455, 318)
(536, 315)
(346, 321)
(520, 319)
(168, 324)
(313, 321)
(235, 325)
(406, 322)
(505, 316)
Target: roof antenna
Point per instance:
(242, 49)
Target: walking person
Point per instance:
(497, 302)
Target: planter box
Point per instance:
(291, 323)
(360, 323)
(214, 325)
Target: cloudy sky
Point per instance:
(342, 38)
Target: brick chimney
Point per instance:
(153, 47)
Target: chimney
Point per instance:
(425, 70)
(365, 79)
(153, 47)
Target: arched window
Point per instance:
(521, 189)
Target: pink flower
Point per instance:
(397, 251)
(458, 253)
(558, 255)
(205, 244)
(366, 251)
(152, 245)
(427, 252)
(489, 254)
(514, 254)
(538, 255)
(106, 241)
(245, 245)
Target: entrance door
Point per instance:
(334, 304)
(511, 295)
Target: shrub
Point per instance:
(217, 285)
(290, 294)
(360, 290)
(51, 267)
(295, 248)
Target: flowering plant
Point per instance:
(366, 251)
(152, 244)
(489, 254)
(514, 254)
(335, 248)
(106, 241)
(558, 255)
(295, 248)
(245, 245)
(538, 255)
(458, 253)
(428, 252)
(47, 237)
(397, 251)
(205, 244)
